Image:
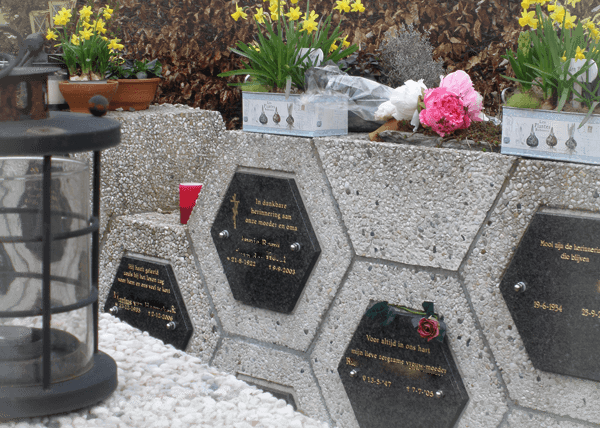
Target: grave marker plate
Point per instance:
(557, 313)
(394, 376)
(146, 296)
(265, 241)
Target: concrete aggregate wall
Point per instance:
(395, 222)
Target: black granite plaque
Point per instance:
(552, 290)
(265, 241)
(145, 295)
(394, 377)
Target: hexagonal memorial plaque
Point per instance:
(265, 241)
(552, 290)
(393, 376)
(145, 295)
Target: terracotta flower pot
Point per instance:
(78, 94)
(134, 94)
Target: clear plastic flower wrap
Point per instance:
(364, 95)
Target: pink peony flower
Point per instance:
(460, 83)
(444, 111)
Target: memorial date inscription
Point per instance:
(145, 295)
(552, 290)
(391, 374)
(265, 241)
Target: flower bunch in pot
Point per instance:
(288, 42)
(556, 60)
(88, 49)
(138, 83)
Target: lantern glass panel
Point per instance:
(21, 186)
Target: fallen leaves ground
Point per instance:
(191, 40)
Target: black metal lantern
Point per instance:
(47, 275)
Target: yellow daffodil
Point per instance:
(333, 47)
(75, 40)
(107, 13)
(51, 35)
(527, 18)
(357, 6)
(595, 33)
(104, 38)
(86, 34)
(580, 53)
(342, 5)
(559, 15)
(293, 1)
(345, 43)
(85, 12)
(564, 57)
(569, 21)
(239, 12)
(543, 2)
(115, 45)
(260, 15)
(276, 10)
(309, 26)
(588, 25)
(99, 26)
(525, 4)
(61, 19)
(312, 17)
(66, 12)
(294, 14)
(255, 47)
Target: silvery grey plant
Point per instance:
(407, 54)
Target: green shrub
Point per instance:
(523, 100)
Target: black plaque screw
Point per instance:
(353, 373)
(439, 394)
(172, 325)
(295, 246)
(224, 234)
(520, 287)
(114, 310)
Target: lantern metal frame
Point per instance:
(59, 134)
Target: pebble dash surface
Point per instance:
(163, 387)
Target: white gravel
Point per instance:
(162, 387)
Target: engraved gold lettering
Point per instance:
(273, 204)
(425, 392)
(372, 339)
(351, 362)
(546, 244)
(376, 381)
(555, 307)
